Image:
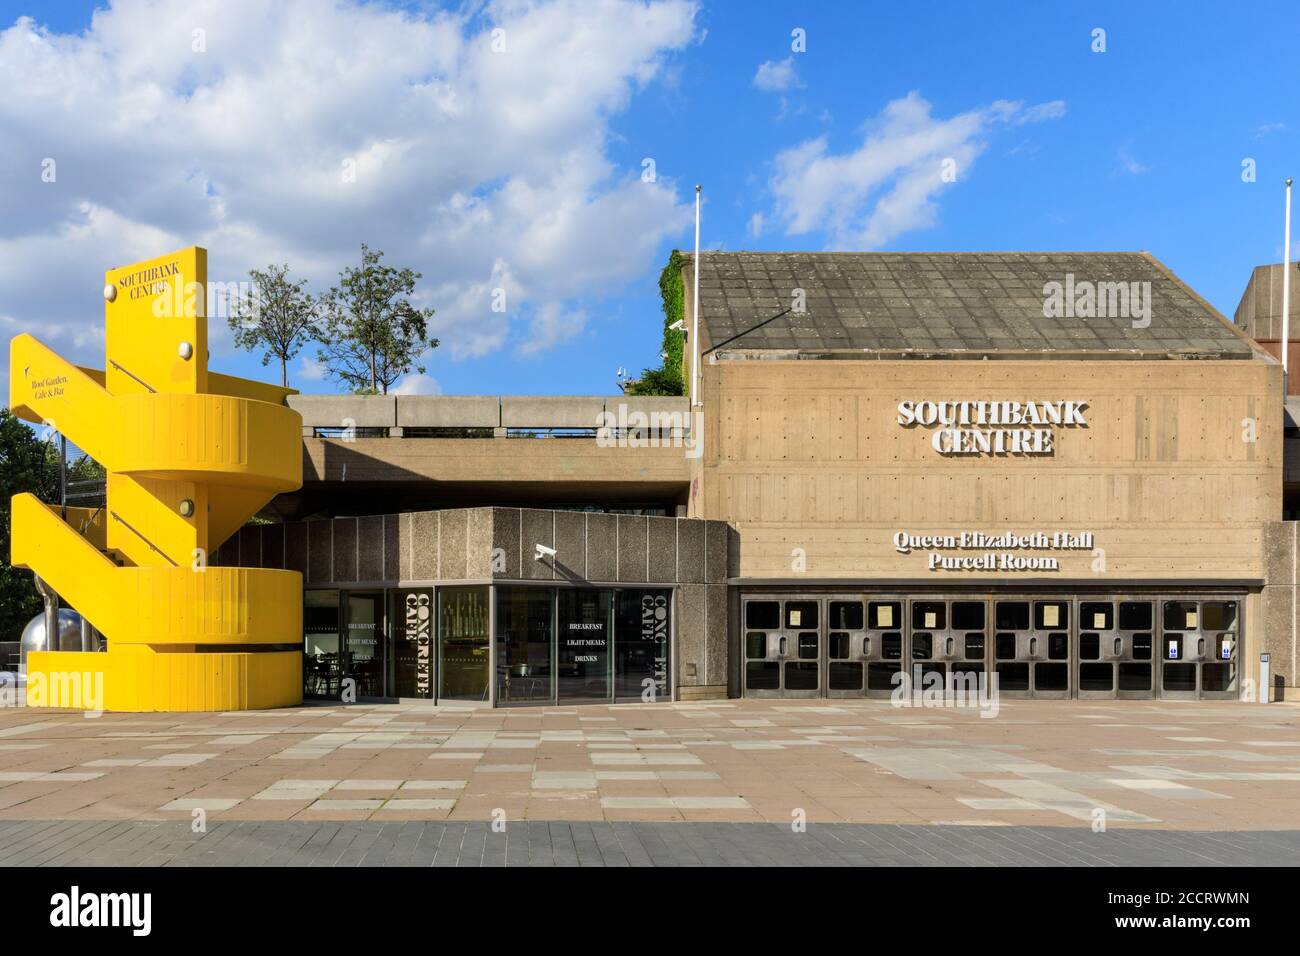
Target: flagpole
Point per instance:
(695, 308)
(1286, 297)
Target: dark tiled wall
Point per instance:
(483, 543)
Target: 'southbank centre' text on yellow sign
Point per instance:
(189, 455)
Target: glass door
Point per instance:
(583, 656)
(525, 641)
(320, 644)
(363, 641)
(463, 645)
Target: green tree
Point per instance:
(667, 379)
(27, 464)
(277, 315)
(373, 335)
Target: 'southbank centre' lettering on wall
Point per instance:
(993, 428)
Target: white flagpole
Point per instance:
(1286, 295)
(695, 308)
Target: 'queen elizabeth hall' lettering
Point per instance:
(993, 428)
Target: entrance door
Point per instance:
(783, 645)
(1198, 649)
(582, 667)
(847, 644)
(1115, 649)
(363, 641)
(1031, 647)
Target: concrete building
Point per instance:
(1064, 470)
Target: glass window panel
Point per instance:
(1134, 676)
(891, 646)
(363, 641)
(525, 631)
(412, 627)
(974, 647)
(1051, 677)
(1178, 677)
(967, 615)
(1219, 615)
(800, 614)
(1058, 647)
(763, 615)
(1089, 647)
(838, 648)
(756, 645)
(881, 676)
(1013, 676)
(763, 675)
(583, 660)
(1004, 647)
(320, 644)
(922, 646)
(463, 645)
(800, 676)
(846, 615)
(1097, 677)
(642, 628)
(1142, 647)
(845, 675)
(930, 615)
(1097, 615)
(1180, 615)
(1012, 615)
(808, 646)
(1051, 614)
(1135, 616)
(883, 615)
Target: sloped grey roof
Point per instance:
(946, 302)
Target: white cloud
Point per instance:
(1128, 162)
(888, 184)
(774, 76)
(481, 170)
(551, 325)
(309, 368)
(417, 383)
(755, 225)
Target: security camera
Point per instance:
(678, 326)
(543, 552)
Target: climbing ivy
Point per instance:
(667, 379)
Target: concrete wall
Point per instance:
(1278, 608)
(499, 544)
(1259, 313)
(808, 455)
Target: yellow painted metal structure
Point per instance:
(190, 455)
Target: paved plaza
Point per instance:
(597, 843)
(1121, 764)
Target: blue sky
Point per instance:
(524, 172)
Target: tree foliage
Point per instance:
(372, 334)
(27, 464)
(278, 316)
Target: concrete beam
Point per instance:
(341, 411)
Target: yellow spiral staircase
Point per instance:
(190, 456)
